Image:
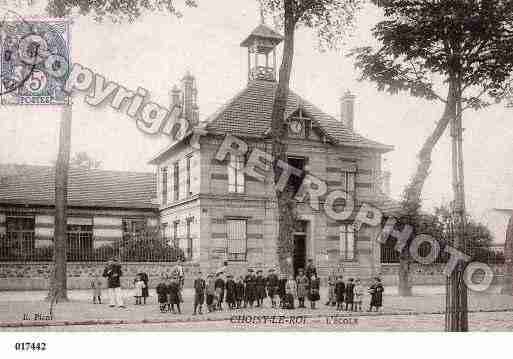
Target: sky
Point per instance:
(157, 50)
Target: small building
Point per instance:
(219, 215)
(103, 207)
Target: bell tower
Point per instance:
(261, 45)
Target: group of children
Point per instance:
(351, 293)
(238, 293)
(169, 293)
(251, 290)
(140, 285)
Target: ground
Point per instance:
(489, 311)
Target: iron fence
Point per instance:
(144, 247)
(477, 254)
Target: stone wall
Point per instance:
(35, 276)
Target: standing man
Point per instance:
(113, 274)
(260, 288)
(178, 272)
(220, 285)
(310, 269)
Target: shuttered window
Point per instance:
(236, 239)
(347, 242)
(175, 238)
(349, 181)
(187, 249)
(188, 176)
(163, 177)
(176, 183)
(236, 175)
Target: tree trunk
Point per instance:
(456, 313)
(404, 288)
(413, 192)
(58, 286)
(507, 286)
(286, 203)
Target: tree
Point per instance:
(478, 238)
(115, 11)
(507, 287)
(331, 20)
(461, 45)
(84, 160)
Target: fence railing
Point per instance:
(145, 247)
(482, 254)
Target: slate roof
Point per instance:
(34, 185)
(248, 114)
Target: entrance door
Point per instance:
(299, 252)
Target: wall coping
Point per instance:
(186, 264)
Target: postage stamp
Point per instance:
(35, 62)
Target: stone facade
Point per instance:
(210, 204)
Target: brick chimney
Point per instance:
(176, 95)
(386, 179)
(195, 107)
(189, 97)
(347, 109)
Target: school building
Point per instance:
(211, 209)
(219, 214)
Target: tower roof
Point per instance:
(265, 32)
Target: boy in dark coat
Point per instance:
(211, 292)
(230, 292)
(282, 284)
(313, 293)
(173, 295)
(376, 292)
(260, 288)
(272, 286)
(239, 291)
(250, 283)
(162, 294)
(340, 290)
(350, 294)
(220, 286)
(199, 293)
(310, 269)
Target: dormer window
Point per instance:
(300, 125)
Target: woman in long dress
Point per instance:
(290, 292)
(302, 288)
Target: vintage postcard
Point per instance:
(245, 165)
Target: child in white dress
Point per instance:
(139, 285)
